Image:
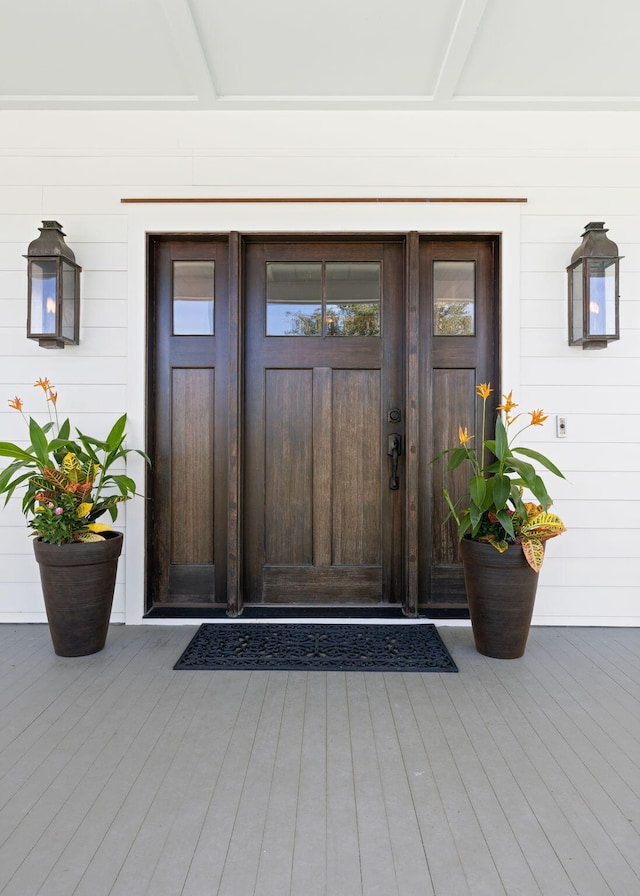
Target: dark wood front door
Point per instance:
(323, 403)
(298, 391)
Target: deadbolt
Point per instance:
(394, 415)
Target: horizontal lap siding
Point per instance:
(93, 162)
(592, 571)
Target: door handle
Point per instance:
(394, 451)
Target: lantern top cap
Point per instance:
(50, 242)
(595, 243)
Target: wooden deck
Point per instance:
(120, 776)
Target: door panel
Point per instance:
(318, 510)
(288, 466)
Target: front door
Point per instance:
(298, 391)
(323, 423)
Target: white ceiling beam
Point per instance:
(190, 50)
(460, 43)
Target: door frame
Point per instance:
(472, 219)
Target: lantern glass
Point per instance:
(576, 303)
(602, 297)
(69, 308)
(43, 296)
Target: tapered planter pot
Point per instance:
(501, 591)
(78, 581)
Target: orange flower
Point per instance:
(463, 435)
(509, 403)
(484, 390)
(15, 403)
(537, 417)
(52, 397)
(44, 384)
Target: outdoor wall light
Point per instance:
(593, 289)
(53, 313)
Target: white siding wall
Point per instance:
(76, 167)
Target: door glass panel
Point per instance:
(193, 298)
(294, 298)
(353, 298)
(454, 293)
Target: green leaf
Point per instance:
(475, 515)
(126, 485)
(487, 504)
(8, 449)
(478, 490)
(39, 442)
(541, 459)
(116, 436)
(65, 430)
(457, 456)
(539, 491)
(516, 499)
(526, 471)
(502, 441)
(505, 522)
(501, 490)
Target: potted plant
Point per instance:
(69, 482)
(502, 535)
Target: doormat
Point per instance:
(317, 647)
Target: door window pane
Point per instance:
(294, 298)
(454, 292)
(353, 298)
(193, 298)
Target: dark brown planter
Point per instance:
(501, 591)
(78, 581)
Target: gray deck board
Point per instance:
(121, 777)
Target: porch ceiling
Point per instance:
(338, 54)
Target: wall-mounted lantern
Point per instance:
(593, 289)
(53, 314)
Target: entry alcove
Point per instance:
(282, 370)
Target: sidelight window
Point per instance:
(454, 296)
(193, 298)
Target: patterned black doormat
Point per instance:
(317, 646)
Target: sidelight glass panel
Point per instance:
(294, 298)
(454, 294)
(353, 298)
(193, 298)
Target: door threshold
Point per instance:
(282, 611)
(305, 611)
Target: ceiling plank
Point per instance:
(190, 50)
(455, 56)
